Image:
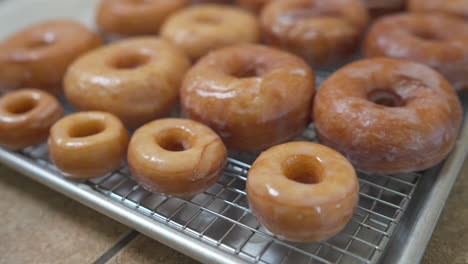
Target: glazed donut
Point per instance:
(135, 17)
(136, 79)
(26, 116)
(200, 29)
(457, 8)
(253, 96)
(302, 191)
(39, 55)
(382, 7)
(88, 144)
(253, 5)
(323, 32)
(435, 40)
(178, 157)
(388, 115)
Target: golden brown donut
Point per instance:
(135, 17)
(382, 7)
(388, 115)
(136, 79)
(457, 8)
(253, 96)
(323, 32)
(302, 191)
(200, 29)
(179, 157)
(88, 144)
(26, 116)
(39, 55)
(435, 40)
(253, 5)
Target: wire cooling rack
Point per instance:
(221, 217)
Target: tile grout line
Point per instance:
(111, 252)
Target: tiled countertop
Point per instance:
(39, 225)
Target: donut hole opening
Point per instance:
(306, 10)
(208, 19)
(427, 35)
(86, 128)
(176, 139)
(385, 98)
(21, 106)
(303, 169)
(130, 61)
(246, 72)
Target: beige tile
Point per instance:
(449, 243)
(39, 225)
(144, 250)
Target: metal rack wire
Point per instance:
(221, 217)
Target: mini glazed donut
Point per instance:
(457, 8)
(323, 32)
(200, 29)
(39, 55)
(135, 17)
(302, 191)
(88, 144)
(435, 40)
(253, 5)
(178, 157)
(382, 7)
(26, 116)
(136, 79)
(388, 115)
(253, 96)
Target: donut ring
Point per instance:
(178, 157)
(457, 8)
(388, 115)
(200, 29)
(323, 32)
(436, 40)
(38, 56)
(26, 116)
(88, 144)
(135, 17)
(253, 5)
(135, 79)
(253, 96)
(302, 191)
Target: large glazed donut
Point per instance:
(200, 29)
(253, 96)
(253, 5)
(38, 56)
(178, 157)
(302, 191)
(136, 79)
(388, 115)
(88, 144)
(26, 116)
(324, 32)
(435, 40)
(135, 17)
(457, 8)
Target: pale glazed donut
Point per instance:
(135, 17)
(200, 29)
(178, 157)
(39, 55)
(382, 7)
(26, 116)
(302, 191)
(253, 5)
(435, 40)
(457, 8)
(88, 144)
(136, 79)
(323, 32)
(388, 115)
(253, 96)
